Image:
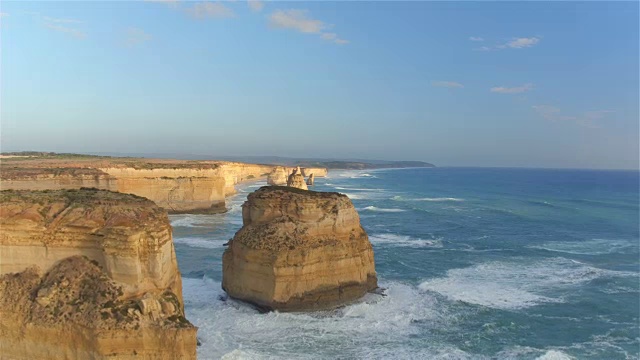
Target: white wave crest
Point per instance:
(376, 209)
(402, 240)
(515, 285)
(191, 220)
(430, 199)
(200, 242)
(588, 247)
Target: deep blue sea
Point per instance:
(477, 264)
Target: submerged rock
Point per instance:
(297, 251)
(310, 180)
(296, 179)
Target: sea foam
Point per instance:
(402, 240)
(516, 284)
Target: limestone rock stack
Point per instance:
(89, 274)
(296, 179)
(298, 250)
(278, 176)
(310, 180)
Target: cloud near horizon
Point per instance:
(512, 90)
(588, 119)
(210, 9)
(300, 20)
(447, 84)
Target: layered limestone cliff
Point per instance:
(178, 186)
(298, 250)
(177, 190)
(296, 180)
(278, 176)
(89, 274)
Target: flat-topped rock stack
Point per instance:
(298, 250)
(89, 274)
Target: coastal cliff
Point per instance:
(89, 274)
(298, 250)
(179, 186)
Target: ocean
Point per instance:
(477, 263)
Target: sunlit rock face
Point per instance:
(89, 274)
(296, 180)
(298, 250)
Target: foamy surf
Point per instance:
(200, 242)
(402, 240)
(429, 199)
(234, 330)
(587, 247)
(377, 209)
(516, 285)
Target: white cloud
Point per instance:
(172, 3)
(333, 37)
(255, 5)
(61, 21)
(329, 36)
(136, 36)
(78, 34)
(299, 20)
(512, 90)
(588, 119)
(447, 84)
(475, 38)
(209, 9)
(296, 20)
(520, 43)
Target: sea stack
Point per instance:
(296, 179)
(310, 180)
(89, 274)
(298, 251)
(278, 176)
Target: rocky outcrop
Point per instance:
(298, 250)
(278, 176)
(296, 180)
(318, 172)
(310, 180)
(89, 274)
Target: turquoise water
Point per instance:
(477, 263)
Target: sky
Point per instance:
(522, 84)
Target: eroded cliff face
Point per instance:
(177, 186)
(296, 180)
(177, 190)
(278, 176)
(89, 274)
(298, 250)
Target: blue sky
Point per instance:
(536, 84)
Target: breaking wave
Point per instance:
(516, 285)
